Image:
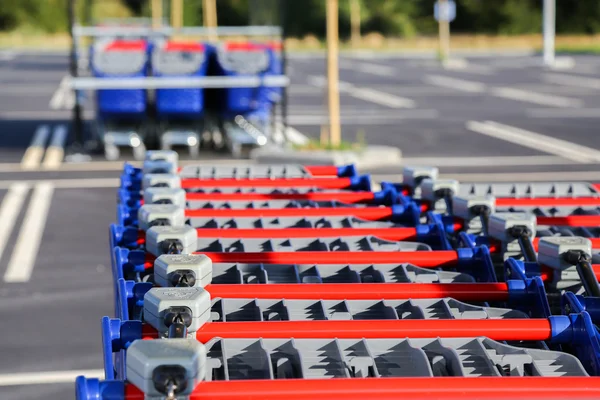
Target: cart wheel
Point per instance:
(111, 152)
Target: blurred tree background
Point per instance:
(398, 18)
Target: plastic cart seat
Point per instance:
(126, 59)
(179, 59)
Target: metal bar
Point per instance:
(549, 14)
(392, 234)
(366, 291)
(421, 388)
(548, 202)
(323, 183)
(344, 197)
(179, 83)
(495, 329)
(572, 220)
(92, 31)
(368, 213)
(333, 94)
(424, 259)
(322, 170)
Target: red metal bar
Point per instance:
(495, 329)
(368, 213)
(324, 183)
(344, 197)
(547, 202)
(572, 220)
(366, 291)
(383, 233)
(424, 259)
(421, 388)
(322, 170)
(596, 186)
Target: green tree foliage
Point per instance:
(304, 17)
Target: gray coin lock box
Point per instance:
(158, 239)
(173, 196)
(168, 264)
(551, 250)
(168, 214)
(161, 180)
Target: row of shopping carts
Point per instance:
(301, 282)
(187, 115)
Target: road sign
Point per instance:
(444, 11)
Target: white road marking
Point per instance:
(49, 377)
(94, 183)
(564, 113)
(26, 249)
(366, 94)
(570, 80)
(454, 83)
(537, 98)
(7, 55)
(487, 161)
(522, 137)
(370, 68)
(489, 177)
(370, 119)
(34, 153)
(55, 152)
(10, 209)
(57, 102)
(503, 92)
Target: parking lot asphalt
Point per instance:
(487, 119)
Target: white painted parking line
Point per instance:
(34, 153)
(57, 101)
(537, 98)
(10, 209)
(367, 118)
(26, 249)
(370, 68)
(564, 113)
(487, 161)
(570, 80)
(48, 377)
(366, 94)
(454, 83)
(503, 92)
(55, 152)
(536, 141)
(7, 55)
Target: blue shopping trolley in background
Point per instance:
(121, 120)
(180, 112)
(245, 113)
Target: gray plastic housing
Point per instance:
(351, 243)
(163, 155)
(168, 264)
(159, 167)
(144, 356)
(552, 249)
(412, 176)
(462, 207)
(429, 187)
(159, 300)
(500, 222)
(158, 238)
(288, 222)
(161, 180)
(241, 273)
(170, 214)
(244, 172)
(240, 359)
(236, 310)
(530, 190)
(166, 195)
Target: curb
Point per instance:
(370, 157)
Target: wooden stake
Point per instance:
(335, 130)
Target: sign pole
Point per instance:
(156, 14)
(335, 130)
(355, 22)
(549, 31)
(444, 31)
(209, 10)
(177, 14)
